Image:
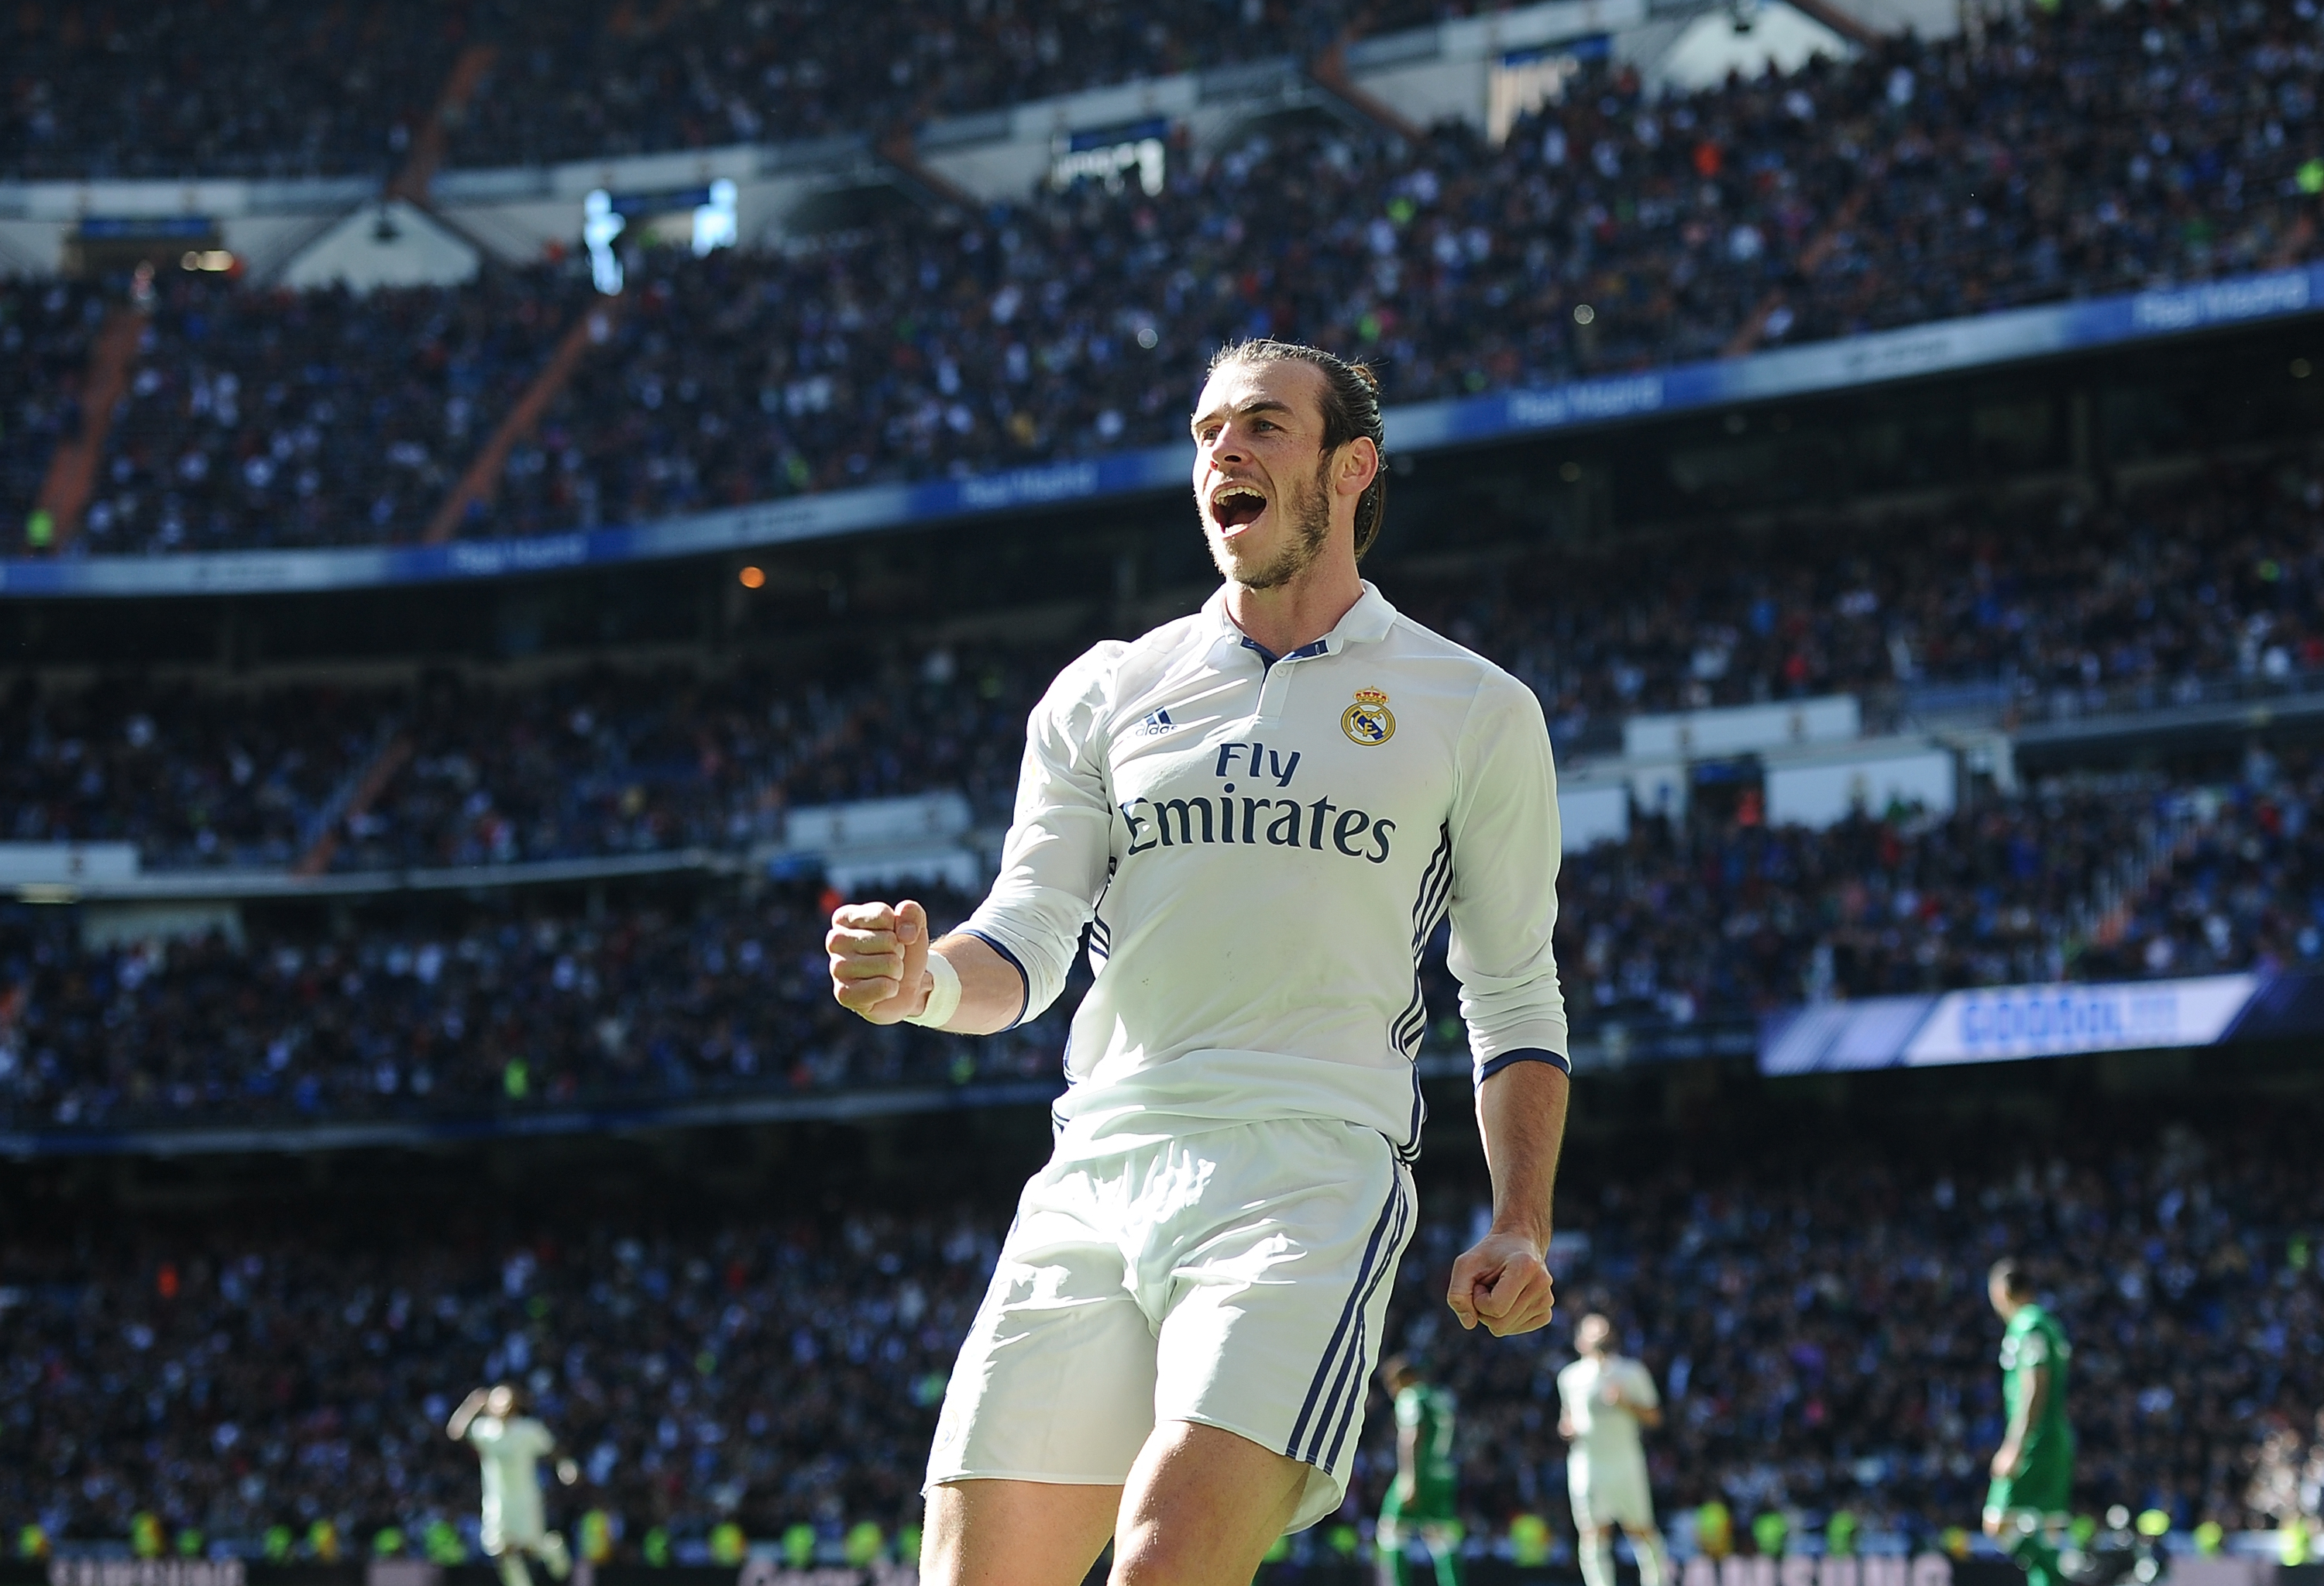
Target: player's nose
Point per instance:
(1228, 446)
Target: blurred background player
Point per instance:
(510, 1447)
(1423, 1500)
(1603, 1399)
(2026, 1509)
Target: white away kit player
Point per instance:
(510, 1448)
(1259, 814)
(1603, 1398)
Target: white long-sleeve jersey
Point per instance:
(1260, 852)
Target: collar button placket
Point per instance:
(1272, 691)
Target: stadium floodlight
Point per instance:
(600, 224)
(716, 224)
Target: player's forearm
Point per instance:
(457, 1426)
(991, 990)
(2029, 1409)
(1521, 1114)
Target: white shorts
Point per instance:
(1609, 1492)
(1238, 1278)
(498, 1536)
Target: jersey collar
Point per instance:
(1365, 623)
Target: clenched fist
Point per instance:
(880, 959)
(1502, 1283)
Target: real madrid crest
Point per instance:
(1369, 721)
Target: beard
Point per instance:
(1308, 513)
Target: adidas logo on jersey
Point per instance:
(1157, 723)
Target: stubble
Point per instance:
(1310, 514)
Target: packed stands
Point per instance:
(272, 1380)
(278, 417)
(1713, 915)
(1788, 208)
(2070, 602)
(510, 1006)
(617, 77)
(192, 781)
(522, 1004)
(1812, 1307)
(1612, 231)
(45, 330)
(215, 88)
(596, 764)
(2055, 602)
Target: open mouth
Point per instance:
(1235, 505)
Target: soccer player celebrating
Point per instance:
(510, 1447)
(2026, 1509)
(1259, 813)
(1603, 1399)
(1423, 1500)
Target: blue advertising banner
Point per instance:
(1945, 347)
(2001, 1024)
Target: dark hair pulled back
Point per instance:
(1351, 409)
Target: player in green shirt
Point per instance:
(2026, 1508)
(1423, 1500)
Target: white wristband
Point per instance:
(944, 997)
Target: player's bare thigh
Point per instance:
(995, 1532)
(1202, 1506)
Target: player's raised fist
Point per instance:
(880, 959)
(1502, 1284)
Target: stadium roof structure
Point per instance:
(1942, 347)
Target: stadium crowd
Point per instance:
(2078, 152)
(45, 330)
(217, 87)
(602, 763)
(2204, 867)
(281, 417)
(1813, 1309)
(507, 1006)
(618, 78)
(2214, 580)
(714, 990)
